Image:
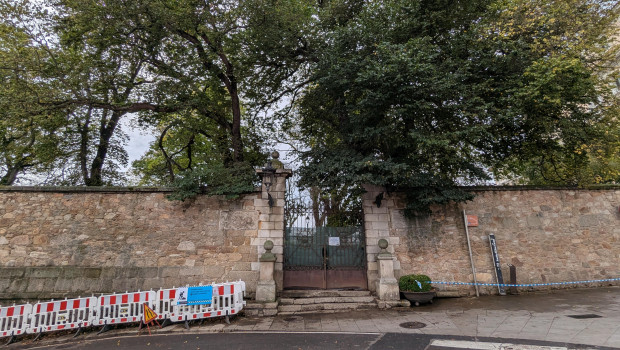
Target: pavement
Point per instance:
(588, 317)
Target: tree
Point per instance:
(29, 134)
(203, 59)
(576, 69)
(83, 86)
(422, 96)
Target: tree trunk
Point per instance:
(105, 134)
(237, 142)
(10, 176)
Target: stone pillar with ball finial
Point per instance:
(266, 287)
(387, 285)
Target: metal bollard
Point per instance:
(513, 280)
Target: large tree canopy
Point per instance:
(422, 96)
(414, 95)
(188, 67)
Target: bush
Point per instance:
(216, 179)
(415, 283)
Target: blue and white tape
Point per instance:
(525, 285)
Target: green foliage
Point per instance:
(414, 283)
(30, 137)
(424, 96)
(216, 179)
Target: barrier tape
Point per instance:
(524, 285)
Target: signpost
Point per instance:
(498, 267)
(149, 317)
(471, 258)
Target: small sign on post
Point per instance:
(472, 220)
(149, 316)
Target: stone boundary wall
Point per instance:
(550, 235)
(65, 242)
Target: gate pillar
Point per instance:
(271, 214)
(387, 285)
(266, 288)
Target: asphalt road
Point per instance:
(305, 341)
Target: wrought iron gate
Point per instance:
(324, 253)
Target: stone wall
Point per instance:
(59, 242)
(550, 235)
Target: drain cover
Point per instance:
(585, 316)
(413, 325)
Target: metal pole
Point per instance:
(471, 258)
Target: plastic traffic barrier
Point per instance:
(122, 308)
(163, 303)
(238, 295)
(226, 299)
(62, 314)
(14, 320)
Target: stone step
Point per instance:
(330, 307)
(254, 308)
(327, 300)
(297, 293)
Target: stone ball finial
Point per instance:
(268, 246)
(268, 255)
(275, 154)
(383, 243)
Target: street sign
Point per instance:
(201, 295)
(472, 220)
(149, 314)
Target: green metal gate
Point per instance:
(323, 256)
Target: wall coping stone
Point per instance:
(541, 188)
(141, 189)
(92, 189)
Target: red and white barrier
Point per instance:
(239, 293)
(62, 314)
(14, 319)
(122, 308)
(163, 303)
(227, 299)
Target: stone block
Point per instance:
(276, 234)
(266, 291)
(264, 233)
(148, 272)
(191, 271)
(379, 225)
(19, 285)
(266, 225)
(40, 284)
(12, 272)
(151, 283)
(371, 233)
(121, 285)
(387, 289)
(43, 272)
(165, 272)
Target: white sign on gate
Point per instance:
(334, 241)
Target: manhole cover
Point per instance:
(413, 325)
(292, 318)
(585, 316)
